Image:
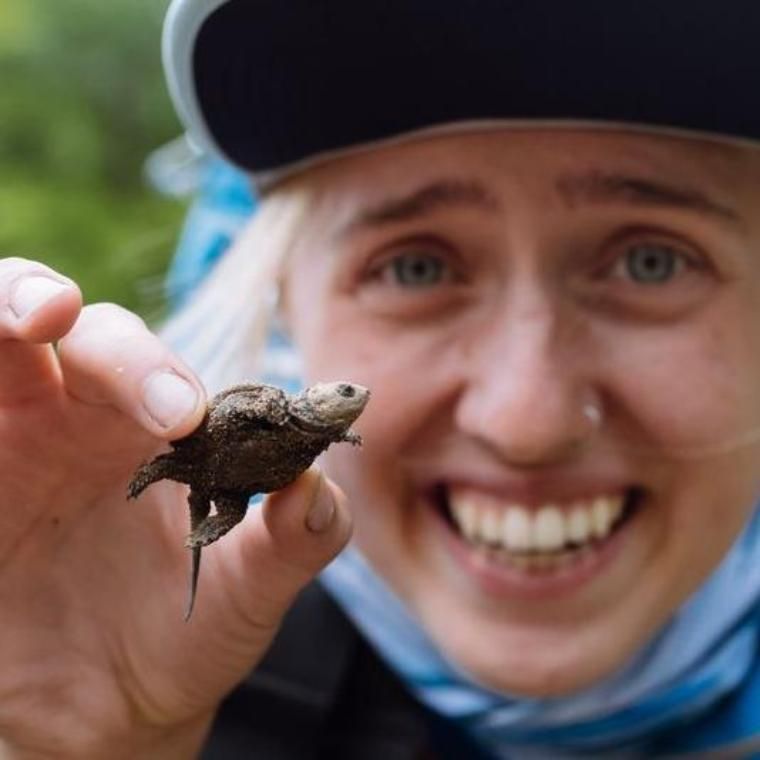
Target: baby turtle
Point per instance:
(253, 439)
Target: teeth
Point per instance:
(516, 530)
(577, 527)
(467, 518)
(549, 529)
(490, 527)
(601, 517)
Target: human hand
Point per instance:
(95, 659)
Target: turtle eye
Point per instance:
(346, 390)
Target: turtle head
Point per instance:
(329, 406)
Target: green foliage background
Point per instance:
(82, 103)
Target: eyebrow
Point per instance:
(434, 196)
(601, 187)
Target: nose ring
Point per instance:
(593, 413)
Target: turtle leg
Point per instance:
(163, 466)
(200, 506)
(230, 510)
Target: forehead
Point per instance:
(534, 159)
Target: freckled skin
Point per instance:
(253, 439)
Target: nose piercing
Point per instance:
(593, 413)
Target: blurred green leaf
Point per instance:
(82, 103)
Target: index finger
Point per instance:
(111, 357)
(37, 305)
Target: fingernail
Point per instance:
(322, 509)
(31, 292)
(168, 398)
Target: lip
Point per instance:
(551, 487)
(499, 580)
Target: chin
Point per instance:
(529, 664)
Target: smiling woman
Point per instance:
(552, 291)
(529, 307)
(527, 304)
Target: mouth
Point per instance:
(541, 539)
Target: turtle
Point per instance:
(254, 438)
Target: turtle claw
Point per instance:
(211, 529)
(353, 438)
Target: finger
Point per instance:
(111, 357)
(248, 581)
(36, 305)
(277, 551)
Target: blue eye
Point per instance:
(651, 263)
(418, 270)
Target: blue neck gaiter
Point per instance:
(706, 652)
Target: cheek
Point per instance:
(404, 404)
(408, 371)
(692, 392)
(700, 514)
(689, 408)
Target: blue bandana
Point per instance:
(222, 207)
(694, 688)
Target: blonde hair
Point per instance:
(223, 329)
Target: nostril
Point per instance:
(346, 390)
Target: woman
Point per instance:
(547, 276)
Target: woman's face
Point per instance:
(561, 332)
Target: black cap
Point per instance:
(275, 85)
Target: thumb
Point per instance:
(248, 581)
(247, 586)
(300, 530)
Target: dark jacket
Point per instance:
(322, 694)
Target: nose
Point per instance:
(530, 394)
